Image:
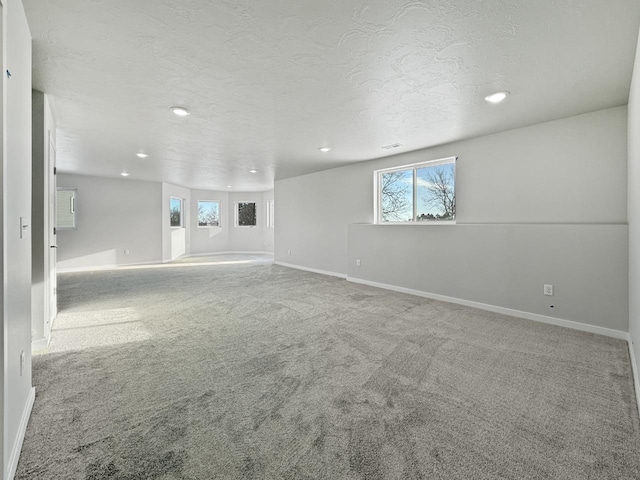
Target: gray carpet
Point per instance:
(254, 371)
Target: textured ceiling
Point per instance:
(268, 82)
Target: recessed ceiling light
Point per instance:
(180, 111)
(324, 149)
(496, 97)
(253, 171)
(142, 155)
(229, 186)
(124, 174)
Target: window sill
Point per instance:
(450, 222)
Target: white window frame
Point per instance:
(181, 212)
(271, 213)
(237, 216)
(219, 214)
(72, 207)
(377, 190)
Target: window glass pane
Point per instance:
(65, 208)
(436, 195)
(208, 214)
(246, 214)
(396, 194)
(175, 207)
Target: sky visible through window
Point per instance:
(175, 209)
(435, 195)
(208, 214)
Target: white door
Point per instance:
(53, 245)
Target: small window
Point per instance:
(65, 208)
(271, 214)
(246, 214)
(208, 213)
(175, 212)
(423, 192)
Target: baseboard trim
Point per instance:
(211, 254)
(40, 344)
(104, 267)
(584, 327)
(313, 270)
(634, 370)
(22, 429)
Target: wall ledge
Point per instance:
(584, 327)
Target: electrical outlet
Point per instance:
(288, 252)
(127, 251)
(357, 262)
(548, 290)
(22, 360)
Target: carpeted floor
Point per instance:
(229, 369)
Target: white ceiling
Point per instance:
(270, 81)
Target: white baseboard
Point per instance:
(41, 343)
(211, 254)
(634, 369)
(103, 267)
(314, 270)
(22, 428)
(153, 262)
(608, 332)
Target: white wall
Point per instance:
(18, 393)
(568, 173)
(228, 237)
(247, 239)
(113, 215)
(176, 241)
(210, 239)
(634, 213)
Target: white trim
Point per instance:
(22, 429)
(103, 267)
(584, 327)
(230, 253)
(153, 262)
(41, 343)
(634, 369)
(308, 269)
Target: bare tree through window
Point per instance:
(208, 214)
(246, 214)
(396, 191)
(436, 193)
(175, 212)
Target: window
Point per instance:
(271, 214)
(208, 213)
(246, 214)
(175, 212)
(65, 208)
(423, 192)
